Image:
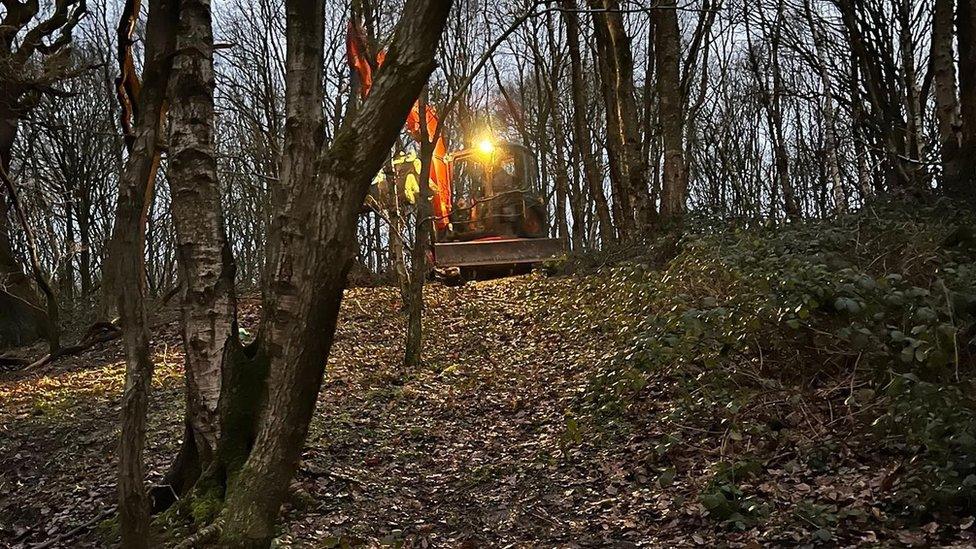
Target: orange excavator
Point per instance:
(489, 216)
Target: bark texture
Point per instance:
(414, 294)
(946, 100)
(829, 111)
(203, 253)
(667, 49)
(623, 123)
(966, 33)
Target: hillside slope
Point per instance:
(628, 407)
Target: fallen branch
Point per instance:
(100, 332)
(58, 540)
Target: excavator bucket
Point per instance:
(496, 252)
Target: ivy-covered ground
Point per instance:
(765, 387)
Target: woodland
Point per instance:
(487, 273)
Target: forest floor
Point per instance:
(478, 447)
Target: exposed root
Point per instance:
(205, 536)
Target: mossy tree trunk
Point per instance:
(267, 390)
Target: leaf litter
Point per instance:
(479, 446)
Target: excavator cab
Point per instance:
(498, 220)
(496, 194)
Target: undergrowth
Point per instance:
(854, 332)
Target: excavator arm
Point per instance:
(440, 174)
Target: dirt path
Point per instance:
(469, 448)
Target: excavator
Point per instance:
(488, 214)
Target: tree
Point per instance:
(34, 59)
(829, 110)
(628, 169)
(209, 305)
(323, 188)
(771, 99)
(966, 21)
(886, 86)
(946, 100)
(135, 195)
(581, 131)
(423, 228)
(311, 246)
(667, 48)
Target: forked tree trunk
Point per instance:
(135, 194)
(623, 123)
(205, 261)
(616, 163)
(317, 221)
(127, 88)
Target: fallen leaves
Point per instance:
(476, 447)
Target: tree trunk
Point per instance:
(621, 209)
(622, 105)
(22, 320)
(581, 132)
(317, 221)
(833, 162)
(966, 20)
(205, 261)
(857, 133)
(667, 49)
(550, 87)
(946, 100)
(135, 193)
(912, 153)
(773, 107)
(414, 298)
(561, 180)
(887, 128)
